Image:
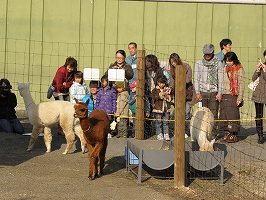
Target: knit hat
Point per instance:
(133, 84)
(5, 84)
(208, 49)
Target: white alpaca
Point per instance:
(44, 115)
(201, 125)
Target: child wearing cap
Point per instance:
(90, 98)
(161, 108)
(9, 122)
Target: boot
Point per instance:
(261, 139)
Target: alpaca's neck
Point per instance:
(85, 124)
(28, 100)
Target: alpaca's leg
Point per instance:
(94, 158)
(90, 150)
(33, 138)
(70, 137)
(79, 132)
(47, 139)
(102, 157)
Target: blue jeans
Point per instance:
(162, 123)
(11, 126)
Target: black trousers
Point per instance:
(259, 114)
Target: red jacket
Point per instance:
(61, 76)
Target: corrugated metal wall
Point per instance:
(37, 35)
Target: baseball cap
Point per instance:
(133, 84)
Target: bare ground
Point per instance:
(40, 175)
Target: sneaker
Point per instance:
(109, 135)
(160, 137)
(166, 137)
(186, 136)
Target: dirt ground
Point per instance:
(39, 175)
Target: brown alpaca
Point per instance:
(95, 129)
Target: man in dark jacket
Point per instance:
(8, 120)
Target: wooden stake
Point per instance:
(179, 137)
(139, 134)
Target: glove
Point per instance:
(113, 125)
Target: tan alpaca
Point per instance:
(201, 126)
(43, 115)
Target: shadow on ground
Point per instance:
(13, 146)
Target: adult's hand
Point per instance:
(218, 97)
(198, 97)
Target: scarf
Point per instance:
(233, 78)
(212, 65)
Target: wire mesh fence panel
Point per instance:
(232, 171)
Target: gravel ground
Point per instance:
(39, 175)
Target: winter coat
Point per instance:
(8, 102)
(106, 100)
(122, 105)
(173, 76)
(160, 103)
(78, 91)
(132, 102)
(259, 95)
(132, 60)
(61, 76)
(240, 81)
(128, 73)
(90, 102)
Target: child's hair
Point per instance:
(162, 79)
(104, 78)
(264, 53)
(78, 74)
(94, 84)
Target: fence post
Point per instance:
(140, 74)
(179, 137)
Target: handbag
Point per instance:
(252, 85)
(50, 91)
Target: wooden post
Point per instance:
(179, 137)
(139, 132)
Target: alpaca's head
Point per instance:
(22, 87)
(81, 110)
(208, 146)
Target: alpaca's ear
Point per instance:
(88, 101)
(76, 100)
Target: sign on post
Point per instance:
(91, 74)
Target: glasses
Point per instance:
(119, 58)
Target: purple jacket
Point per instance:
(106, 100)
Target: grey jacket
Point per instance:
(201, 79)
(259, 95)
